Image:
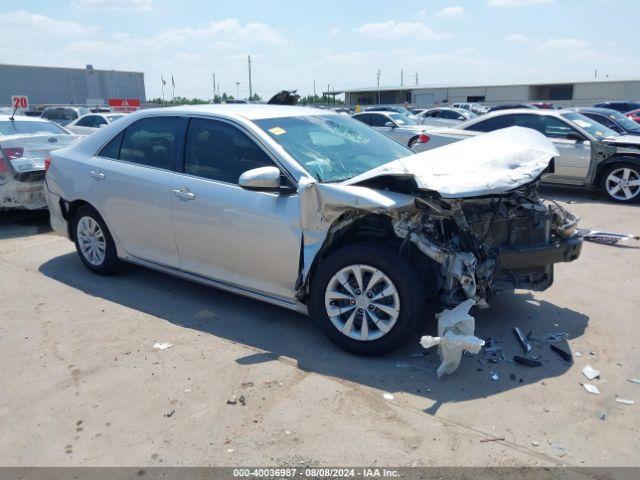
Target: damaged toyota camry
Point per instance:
(315, 212)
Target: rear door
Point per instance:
(246, 238)
(131, 178)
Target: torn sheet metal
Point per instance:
(607, 238)
(491, 163)
(455, 336)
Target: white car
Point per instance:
(313, 211)
(25, 146)
(90, 123)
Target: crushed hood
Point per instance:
(491, 163)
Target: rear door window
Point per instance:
(87, 121)
(378, 120)
(492, 124)
(150, 142)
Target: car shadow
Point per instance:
(281, 333)
(23, 223)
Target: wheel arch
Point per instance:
(624, 158)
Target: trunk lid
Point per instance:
(26, 153)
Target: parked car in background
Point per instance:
(227, 195)
(390, 108)
(401, 128)
(622, 106)
(25, 146)
(509, 106)
(417, 111)
(543, 105)
(64, 114)
(634, 115)
(342, 110)
(612, 119)
(88, 124)
(476, 108)
(445, 116)
(590, 154)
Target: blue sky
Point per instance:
(337, 43)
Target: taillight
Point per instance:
(13, 152)
(47, 163)
(423, 138)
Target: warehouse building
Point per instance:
(583, 93)
(78, 86)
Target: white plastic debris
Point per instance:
(625, 401)
(591, 388)
(494, 376)
(387, 396)
(455, 335)
(590, 372)
(577, 354)
(161, 346)
(634, 380)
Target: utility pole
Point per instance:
(416, 78)
(401, 78)
(314, 91)
(237, 90)
(378, 76)
(213, 99)
(250, 87)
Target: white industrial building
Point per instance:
(582, 93)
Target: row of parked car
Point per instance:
(598, 146)
(26, 143)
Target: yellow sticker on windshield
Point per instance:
(277, 130)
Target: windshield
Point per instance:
(624, 121)
(21, 127)
(401, 119)
(594, 128)
(63, 116)
(332, 148)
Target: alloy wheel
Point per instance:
(623, 184)
(91, 240)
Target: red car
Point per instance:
(634, 115)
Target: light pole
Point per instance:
(237, 90)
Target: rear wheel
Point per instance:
(621, 182)
(94, 243)
(367, 299)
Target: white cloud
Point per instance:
(564, 43)
(422, 13)
(27, 25)
(516, 3)
(392, 30)
(450, 12)
(334, 31)
(117, 5)
(516, 37)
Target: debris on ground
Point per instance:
(625, 401)
(602, 416)
(162, 346)
(387, 396)
(237, 399)
(566, 356)
(560, 450)
(535, 443)
(170, 414)
(590, 372)
(591, 388)
(522, 339)
(607, 238)
(529, 362)
(455, 335)
(549, 337)
(496, 439)
(578, 354)
(494, 376)
(634, 380)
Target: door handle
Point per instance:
(184, 194)
(97, 174)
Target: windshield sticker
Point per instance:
(277, 130)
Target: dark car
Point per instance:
(623, 106)
(612, 119)
(509, 106)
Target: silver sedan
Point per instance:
(401, 128)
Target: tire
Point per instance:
(630, 194)
(412, 142)
(409, 299)
(105, 261)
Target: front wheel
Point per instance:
(621, 182)
(367, 299)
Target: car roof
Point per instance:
(22, 118)
(512, 111)
(242, 110)
(604, 111)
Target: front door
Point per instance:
(246, 238)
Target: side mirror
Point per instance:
(390, 125)
(575, 136)
(263, 178)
